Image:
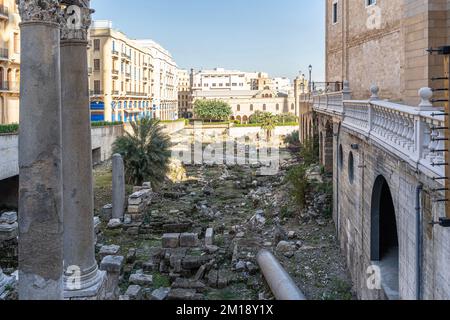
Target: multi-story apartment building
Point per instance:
(165, 99)
(224, 80)
(184, 94)
(127, 79)
(9, 62)
(384, 43)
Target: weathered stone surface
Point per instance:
(112, 263)
(136, 209)
(171, 240)
(194, 262)
(106, 213)
(8, 217)
(209, 237)
(160, 294)
(110, 250)
(182, 283)
(8, 231)
(181, 294)
(114, 224)
(118, 187)
(188, 240)
(141, 279)
(177, 227)
(285, 246)
(134, 292)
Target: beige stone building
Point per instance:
(184, 94)
(384, 43)
(129, 79)
(245, 103)
(9, 62)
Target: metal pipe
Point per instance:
(280, 282)
(419, 249)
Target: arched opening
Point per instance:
(351, 168)
(341, 157)
(245, 119)
(238, 118)
(384, 237)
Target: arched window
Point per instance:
(341, 157)
(351, 168)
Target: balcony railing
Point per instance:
(115, 52)
(115, 72)
(128, 75)
(4, 11)
(411, 133)
(125, 55)
(96, 92)
(115, 92)
(4, 53)
(136, 94)
(10, 86)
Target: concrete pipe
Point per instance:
(281, 284)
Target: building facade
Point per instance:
(220, 79)
(244, 103)
(9, 62)
(184, 94)
(383, 42)
(129, 80)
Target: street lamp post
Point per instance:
(310, 78)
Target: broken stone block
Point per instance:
(222, 279)
(171, 240)
(212, 249)
(181, 294)
(114, 224)
(8, 217)
(160, 294)
(147, 185)
(285, 246)
(112, 264)
(291, 235)
(136, 209)
(149, 266)
(127, 219)
(181, 283)
(134, 292)
(212, 278)
(240, 266)
(8, 231)
(209, 237)
(106, 213)
(188, 240)
(141, 279)
(111, 250)
(124, 298)
(193, 262)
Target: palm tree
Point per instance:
(268, 123)
(146, 152)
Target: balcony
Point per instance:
(115, 92)
(96, 92)
(9, 86)
(127, 75)
(125, 56)
(4, 53)
(4, 12)
(136, 94)
(115, 53)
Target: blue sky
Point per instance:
(280, 37)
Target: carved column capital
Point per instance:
(76, 19)
(39, 10)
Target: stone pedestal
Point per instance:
(118, 187)
(40, 185)
(82, 279)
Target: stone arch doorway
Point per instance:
(384, 237)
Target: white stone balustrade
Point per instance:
(414, 134)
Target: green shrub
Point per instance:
(293, 139)
(310, 151)
(296, 176)
(9, 128)
(146, 152)
(105, 123)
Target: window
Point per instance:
(341, 157)
(251, 107)
(97, 86)
(371, 2)
(335, 12)
(238, 108)
(264, 107)
(351, 168)
(97, 64)
(16, 43)
(97, 44)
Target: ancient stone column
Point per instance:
(40, 185)
(82, 278)
(118, 187)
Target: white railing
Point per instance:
(414, 134)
